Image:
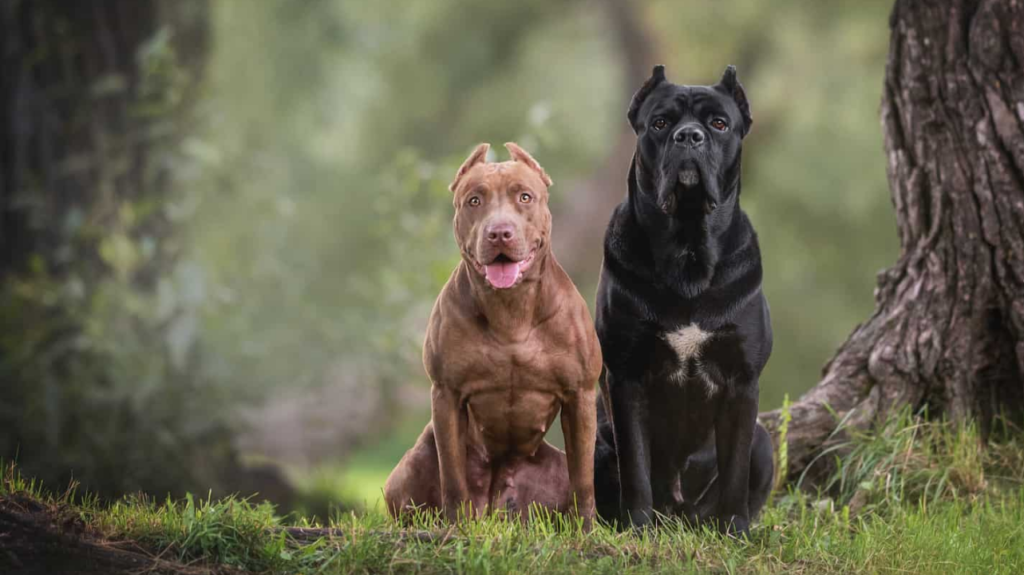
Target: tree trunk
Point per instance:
(87, 90)
(93, 101)
(577, 233)
(947, 333)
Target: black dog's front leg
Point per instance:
(629, 409)
(734, 433)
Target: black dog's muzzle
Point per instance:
(689, 136)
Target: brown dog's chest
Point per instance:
(513, 392)
(510, 423)
(536, 364)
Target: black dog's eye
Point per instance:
(474, 201)
(525, 198)
(719, 124)
(659, 124)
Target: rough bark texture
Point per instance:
(948, 328)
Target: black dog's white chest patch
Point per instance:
(687, 342)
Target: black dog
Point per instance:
(683, 324)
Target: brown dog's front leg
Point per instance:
(579, 425)
(446, 410)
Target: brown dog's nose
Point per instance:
(501, 232)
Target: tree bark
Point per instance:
(947, 333)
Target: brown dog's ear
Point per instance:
(520, 155)
(657, 77)
(478, 156)
(732, 86)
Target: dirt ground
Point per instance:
(39, 540)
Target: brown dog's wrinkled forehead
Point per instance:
(521, 168)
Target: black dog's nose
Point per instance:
(503, 232)
(689, 135)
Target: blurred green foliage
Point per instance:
(338, 126)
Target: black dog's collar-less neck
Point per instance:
(684, 246)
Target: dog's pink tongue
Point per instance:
(502, 275)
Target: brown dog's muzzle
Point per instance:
(503, 252)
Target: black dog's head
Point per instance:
(688, 140)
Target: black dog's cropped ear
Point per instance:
(657, 77)
(732, 86)
(478, 156)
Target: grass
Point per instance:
(910, 497)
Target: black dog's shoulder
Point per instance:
(625, 253)
(738, 275)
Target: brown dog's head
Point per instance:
(502, 221)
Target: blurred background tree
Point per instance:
(100, 377)
(305, 198)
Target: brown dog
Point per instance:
(510, 342)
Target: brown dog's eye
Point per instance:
(659, 124)
(525, 198)
(719, 124)
(474, 201)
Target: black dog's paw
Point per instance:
(638, 520)
(734, 525)
(688, 513)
